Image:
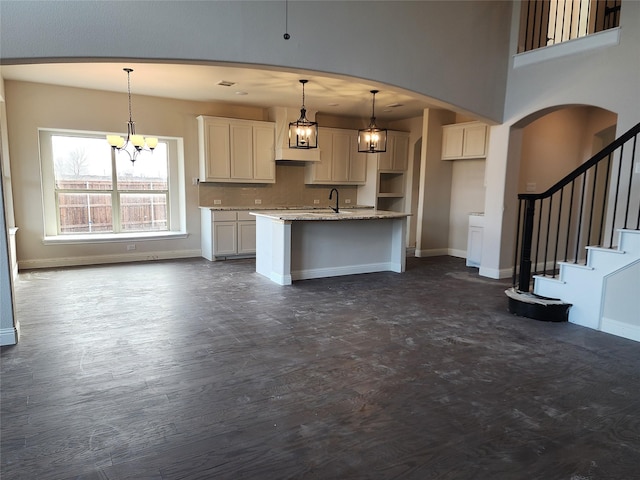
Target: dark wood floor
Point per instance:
(198, 370)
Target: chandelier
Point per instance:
(303, 133)
(138, 142)
(372, 139)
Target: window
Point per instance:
(549, 22)
(90, 189)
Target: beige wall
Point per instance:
(435, 197)
(554, 145)
(32, 106)
(467, 195)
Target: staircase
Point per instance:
(579, 244)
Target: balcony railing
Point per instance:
(548, 22)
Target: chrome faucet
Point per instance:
(337, 197)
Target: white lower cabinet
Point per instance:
(474, 240)
(227, 233)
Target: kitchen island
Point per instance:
(300, 245)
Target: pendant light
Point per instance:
(139, 142)
(372, 139)
(303, 133)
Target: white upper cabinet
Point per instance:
(238, 151)
(464, 140)
(396, 156)
(340, 163)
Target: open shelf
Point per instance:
(391, 183)
(394, 204)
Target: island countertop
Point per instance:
(328, 214)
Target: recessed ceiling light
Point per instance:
(333, 104)
(226, 83)
(241, 93)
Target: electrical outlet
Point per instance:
(217, 202)
(258, 201)
(316, 201)
(530, 187)
(131, 247)
(347, 201)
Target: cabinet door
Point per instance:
(241, 151)
(357, 163)
(385, 159)
(246, 237)
(452, 136)
(224, 238)
(340, 157)
(395, 158)
(216, 156)
(475, 141)
(321, 171)
(264, 166)
(400, 152)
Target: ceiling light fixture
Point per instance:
(139, 142)
(303, 133)
(372, 139)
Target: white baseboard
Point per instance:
(457, 253)
(433, 252)
(621, 329)
(495, 273)
(9, 336)
(105, 259)
(339, 271)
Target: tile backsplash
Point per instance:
(289, 190)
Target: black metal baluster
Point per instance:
(633, 155)
(515, 259)
(555, 252)
(566, 248)
(546, 242)
(615, 199)
(605, 200)
(593, 204)
(535, 265)
(579, 231)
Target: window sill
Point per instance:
(111, 237)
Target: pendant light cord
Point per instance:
(286, 20)
(128, 70)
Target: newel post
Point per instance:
(524, 279)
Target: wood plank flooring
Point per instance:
(197, 370)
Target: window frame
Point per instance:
(175, 194)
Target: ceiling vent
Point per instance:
(226, 83)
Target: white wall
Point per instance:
(397, 43)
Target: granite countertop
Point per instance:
(328, 214)
(220, 208)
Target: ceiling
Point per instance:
(252, 86)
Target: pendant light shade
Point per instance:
(303, 133)
(372, 139)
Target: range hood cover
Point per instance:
(282, 116)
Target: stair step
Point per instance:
(534, 306)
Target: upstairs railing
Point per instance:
(548, 22)
(583, 209)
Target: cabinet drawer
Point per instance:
(245, 217)
(224, 216)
